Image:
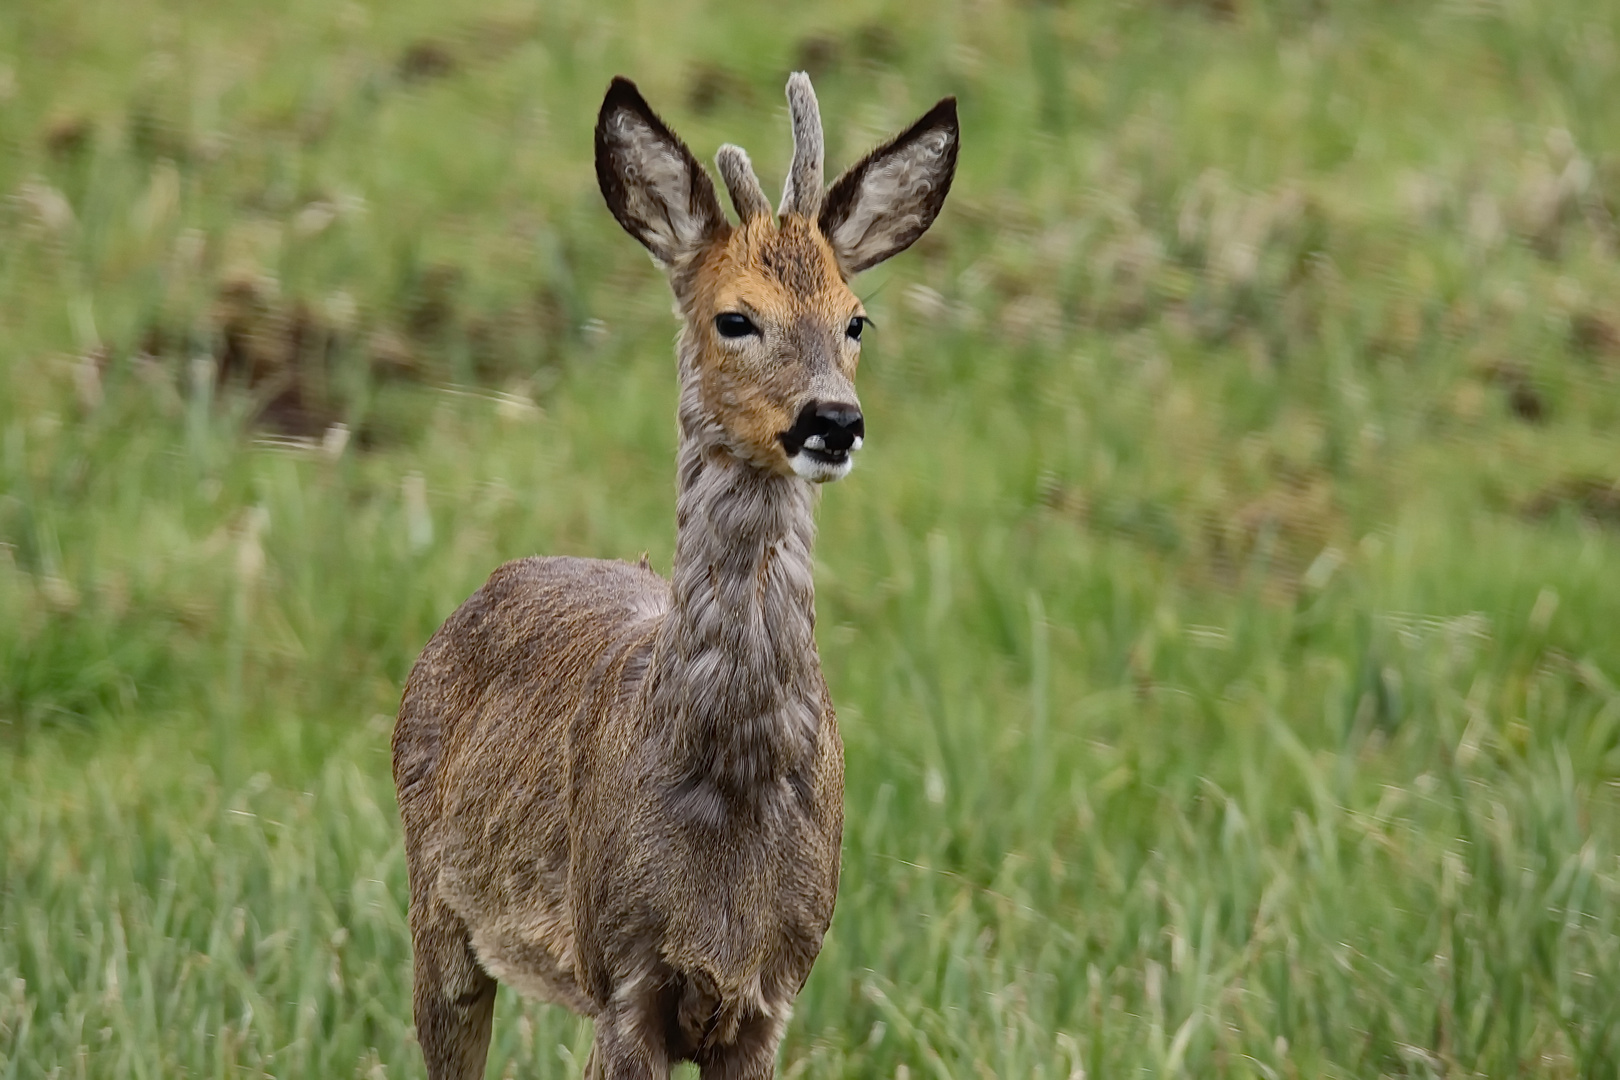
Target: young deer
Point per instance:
(622, 794)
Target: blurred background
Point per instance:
(1222, 618)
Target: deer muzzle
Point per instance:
(822, 442)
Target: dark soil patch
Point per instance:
(280, 354)
(1596, 335)
(1593, 498)
(710, 86)
(1525, 401)
(426, 60)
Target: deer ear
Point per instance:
(652, 183)
(882, 204)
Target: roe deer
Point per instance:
(624, 794)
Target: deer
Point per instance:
(624, 794)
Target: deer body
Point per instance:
(621, 794)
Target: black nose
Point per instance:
(825, 428)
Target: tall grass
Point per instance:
(1220, 619)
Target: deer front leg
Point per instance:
(751, 1057)
(454, 999)
(630, 1040)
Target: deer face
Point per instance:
(772, 331)
(778, 337)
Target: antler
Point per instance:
(802, 194)
(738, 173)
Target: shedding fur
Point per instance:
(624, 794)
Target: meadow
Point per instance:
(1222, 617)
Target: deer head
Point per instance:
(771, 334)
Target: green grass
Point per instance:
(1222, 618)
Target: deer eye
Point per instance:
(856, 325)
(733, 325)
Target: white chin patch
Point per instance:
(818, 471)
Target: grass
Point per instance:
(1221, 620)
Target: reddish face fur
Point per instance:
(784, 278)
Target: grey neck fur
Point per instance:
(736, 678)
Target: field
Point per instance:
(1222, 618)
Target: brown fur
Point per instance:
(624, 794)
(787, 278)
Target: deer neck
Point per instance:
(737, 682)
